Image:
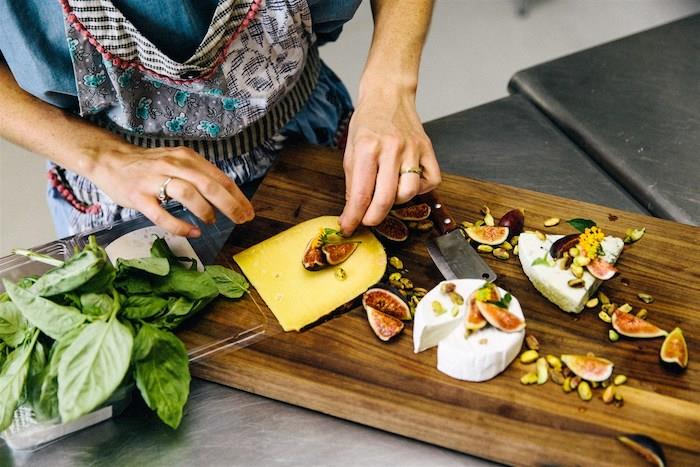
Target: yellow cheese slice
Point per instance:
(298, 297)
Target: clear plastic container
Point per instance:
(26, 433)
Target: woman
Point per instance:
(124, 97)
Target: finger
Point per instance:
(384, 191)
(188, 195)
(364, 174)
(347, 168)
(409, 182)
(431, 177)
(151, 208)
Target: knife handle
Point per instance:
(444, 222)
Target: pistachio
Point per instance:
(642, 314)
(413, 225)
(573, 252)
(608, 394)
(529, 378)
(645, 297)
(553, 361)
(484, 248)
(633, 235)
(566, 385)
(552, 221)
(582, 261)
(466, 224)
(556, 376)
(532, 342)
(396, 284)
(484, 210)
(577, 270)
(542, 371)
(340, 274)
(516, 249)
(479, 223)
(619, 380)
(395, 276)
(406, 282)
(447, 287)
(456, 298)
(419, 291)
(396, 262)
(625, 308)
(438, 309)
(540, 235)
(500, 253)
(575, 283)
(575, 381)
(592, 303)
(403, 293)
(455, 310)
(584, 391)
(564, 262)
(506, 246)
(608, 308)
(529, 356)
(618, 396)
(604, 317)
(488, 220)
(603, 298)
(613, 335)
(595, 384)
(425, 225)
(514, 241)
(414, 300)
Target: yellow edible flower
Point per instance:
(589, 241)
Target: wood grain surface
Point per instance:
(340, 368)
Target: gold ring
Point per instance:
(412, 170)
(162, 193)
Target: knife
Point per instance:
(450, 251)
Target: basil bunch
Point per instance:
(70, 338)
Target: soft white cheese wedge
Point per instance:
(429, 328)
(137, 244)
(551, 281)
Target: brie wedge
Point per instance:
(551, 281)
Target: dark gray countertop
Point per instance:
(633, 105)
(507, 141)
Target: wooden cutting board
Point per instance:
(340, 368)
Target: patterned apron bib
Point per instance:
(254, 70)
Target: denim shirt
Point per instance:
(33, 39)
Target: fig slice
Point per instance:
(336, 253)
(646, 447)
(594, 369)
(417, 212)
(474, 319)
(392, 229)
(629, 325)
(674, 349)
(497, 316)
(384, 326)
(514, 220)
(384, 300)
(487, 235)
(601, 269)
(313, 259)
(563, 245)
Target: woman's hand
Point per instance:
(385, 138)
(132, 177)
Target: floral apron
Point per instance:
(253, 71)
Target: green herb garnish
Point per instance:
(544, 260)
(581, 224)
(504, 302)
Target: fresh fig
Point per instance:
(487, 235)
(674, 349)
(646, 447)
(417, 212)
(386, 301)
(594, 369)
(514, 220)
(313, 259)
(392, 229)
(337, 253)
(474, 319)
(601, 269)
(383, 325)
(631, 326)
(494, 312)
(563, 245)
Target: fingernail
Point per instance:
(194, 232)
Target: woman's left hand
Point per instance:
(385, 139)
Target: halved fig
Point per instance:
(313, 259)
(496, 316)
(646, 447)
(337, 253)
(629, 325)
(392, 229)
(589, 368)
(386, 301)
(563, 245)
(514, 220)
(474, 319)
(417, 212)
(674, 349)
(487, 235)
(601, 269)
(383, 325)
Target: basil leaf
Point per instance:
(581, 224)
(160, 249)
(162, 372)
(52, 319)
(74, 273)
(153, 265)
(13, 326)
(12, 379)
(92, 367)
(504, 302)
(132, 284)
(101, 281)
(143, 306)
(96, 304)
(230, 283)
(37, 365)
(191, 284)
(544, 260)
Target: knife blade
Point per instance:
(450, 251)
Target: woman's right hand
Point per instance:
(132, 177)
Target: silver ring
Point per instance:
(412, 170)
(162, 193)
